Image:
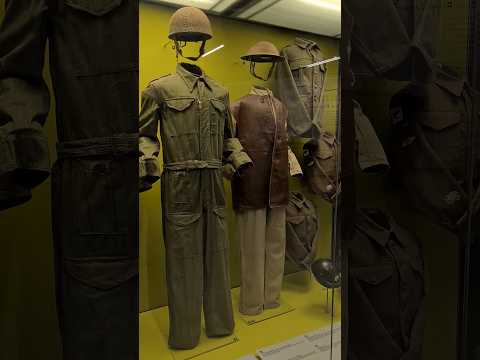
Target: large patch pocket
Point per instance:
(183, 231)
(378, 286)
(94, 7)
(102, 199)
(98, 296)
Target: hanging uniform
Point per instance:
(302, 230)
(301, 88)
(191, 111)
(400, 43)
(437, 127)
(386, 290)
(94, 69)
(320, 158)
(260, 196)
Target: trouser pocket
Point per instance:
(98, 302)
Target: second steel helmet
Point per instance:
(189, 24)
(262, 52)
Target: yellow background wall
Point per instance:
(156, 59)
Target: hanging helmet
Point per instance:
(262, 52)
(190, 24)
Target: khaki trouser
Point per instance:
(195, 235)
(262, 247)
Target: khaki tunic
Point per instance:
(301, 88)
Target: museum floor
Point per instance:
(304, 309)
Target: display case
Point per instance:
(240, 179)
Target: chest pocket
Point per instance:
(180, 117)
(303, 75)
(218, 111)
(445, 134)
(94, 7)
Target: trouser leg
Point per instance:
(184, 265)
(252, 228)
(274, 256)
(96, 250)
(217, 297)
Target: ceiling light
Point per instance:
(222, 5)
(335, 58)
(325, 4)
(213, 50)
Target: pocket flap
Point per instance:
(372, 275)
(296, 220)
(102, 273)
(183, 219)
(179, 104)
(94, 7)
(438, 120)
(218, 105)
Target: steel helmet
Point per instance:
(262, 52)
(189, 24)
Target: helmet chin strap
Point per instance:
(252, 71)
(178, 51)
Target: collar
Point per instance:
(260, 91)
(191, 78)
(365, 223)
(448, 79)
(304, 43)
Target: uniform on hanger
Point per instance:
(437, 131)
(386, 290)
(300, 87)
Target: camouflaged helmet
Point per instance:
(262, 52)
(190, 24)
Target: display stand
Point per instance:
(283, 309)
(154, 339)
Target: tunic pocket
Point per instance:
(94, 7)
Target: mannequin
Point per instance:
(260, 195)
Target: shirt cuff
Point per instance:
(294, 165)
(238, 158)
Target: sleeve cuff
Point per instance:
(237, 157)
(294, 165)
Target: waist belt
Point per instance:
(119, 144)
(193, 164)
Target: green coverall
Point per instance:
(197, 135)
